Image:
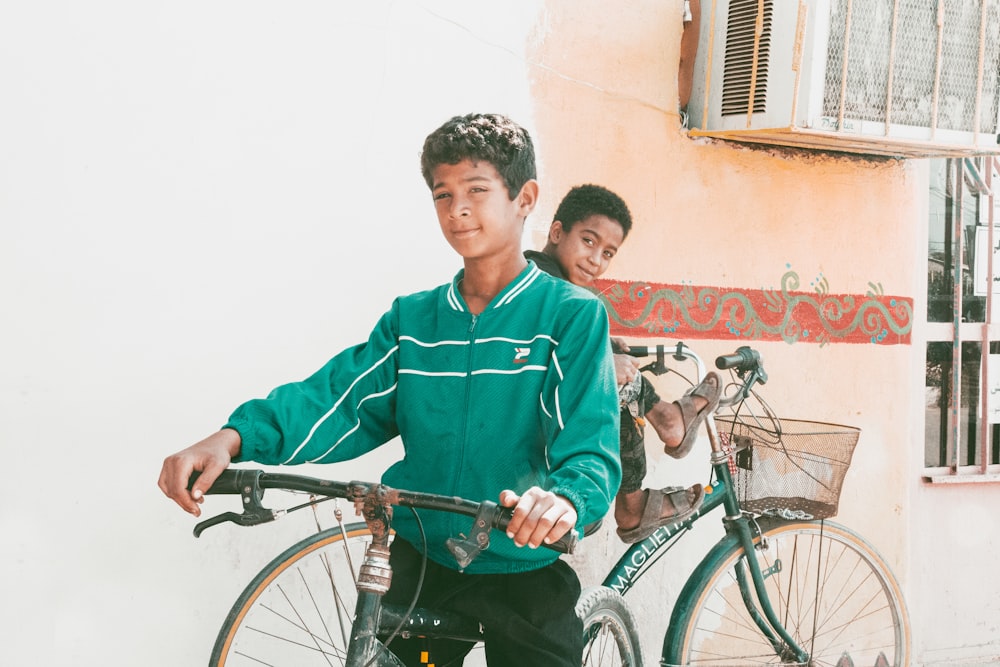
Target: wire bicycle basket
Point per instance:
(792, 469)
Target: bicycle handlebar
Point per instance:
(643, 350)
(744, 360)
(250, 485)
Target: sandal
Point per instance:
(710, 388)
(672, 497)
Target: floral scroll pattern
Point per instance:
(690, 312)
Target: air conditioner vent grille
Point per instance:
(738, 76)
(914, 64)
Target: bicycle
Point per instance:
(783, 586)
(304, 608)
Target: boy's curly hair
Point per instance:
(584, 201)
(490, 137)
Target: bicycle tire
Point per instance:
(609, 630)
(831, 589)
(298, 610)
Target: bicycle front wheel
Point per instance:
(830, 589)
(298, 610)
(609, 631)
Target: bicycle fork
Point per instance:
(763, 617)
(762, 614)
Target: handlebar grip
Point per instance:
(744, 358)
(231, 481)
(565, 544)
(639, 351)
(728, 361)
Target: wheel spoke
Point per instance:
(830, 590)
(298, 610)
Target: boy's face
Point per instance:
(585, 251)
(476, 214)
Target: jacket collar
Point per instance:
(507, 295)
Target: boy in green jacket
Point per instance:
(589, 227)
(500, 384)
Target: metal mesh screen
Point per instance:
(862, 32)
(797, 473)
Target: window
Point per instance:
(962, 425)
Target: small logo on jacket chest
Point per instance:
(521, 354)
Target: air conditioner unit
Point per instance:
(911, 78)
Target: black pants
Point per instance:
(529, 618)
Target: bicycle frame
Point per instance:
(640, 556)
(740, 583)
(739, 527)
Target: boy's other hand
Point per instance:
(618, 345)
(626, 368)
(210, 457)
(539, 516)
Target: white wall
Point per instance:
(198, 201)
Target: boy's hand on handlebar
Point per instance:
(210, 457)
(626, 367)
(539, 516)
(619, 345)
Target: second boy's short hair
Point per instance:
(584, 201)
(490, 137)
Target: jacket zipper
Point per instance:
(457, 525)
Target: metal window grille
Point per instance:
(926, 63)
(962, 429)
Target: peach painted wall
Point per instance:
(712, 214)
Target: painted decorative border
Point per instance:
(698, 312)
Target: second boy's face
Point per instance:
(475, 212)
(586, 250)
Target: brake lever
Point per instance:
(215, 521)
(467, 549)
(656, 368)
(254, 513)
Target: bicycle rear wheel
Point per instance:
(609, 631)
(832, 591)
(299, 609)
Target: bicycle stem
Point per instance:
(374, 578)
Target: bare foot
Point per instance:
(667, 421)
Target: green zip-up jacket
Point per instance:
(521, 395)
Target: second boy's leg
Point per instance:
(639, 511)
